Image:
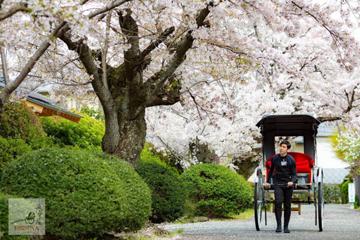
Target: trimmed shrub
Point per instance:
(86, 134)
(357, 202)
(97, 114)
(86, 194)
(19, 122)
(4, 210)
(216, 191)
(10, 149)
(332, 193)
(168, 194)
(344, 191)
(137, 192)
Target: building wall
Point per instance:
(357, 186)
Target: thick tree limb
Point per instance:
(87, 59)
(19, 7)
(11, 86)
(130, 29)
(4, 65)
(168, 95)
(109, 7)
(328, 119)
(157, 42)
(156, 82)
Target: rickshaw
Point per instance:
(310, 176)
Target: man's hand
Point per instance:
(290, 184)
(266, 185)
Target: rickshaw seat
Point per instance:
(304, 163)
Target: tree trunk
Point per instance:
(132, 139)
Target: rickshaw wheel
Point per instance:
(258, 201)
(320, 205)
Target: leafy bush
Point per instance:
(344, 191)
(332, 193)
(4, 210)
(86, 134)
(168, 195)
(98, 115)
(10, 149)
(171, 158)
(19, 122)
(216, 191)
(87, 194)
(357, 202)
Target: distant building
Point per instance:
(335, 169)
(43, 106)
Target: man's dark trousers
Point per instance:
(283, 193)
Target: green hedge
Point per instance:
(10, 149)
(216, 191)
(19, 122)
(344, 186)
(86, 134)
(168, 194)
(4, 210)
(86, 194)
(332, 193)
(357, 202)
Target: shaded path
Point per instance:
(340, 222)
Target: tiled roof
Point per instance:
(48, 103)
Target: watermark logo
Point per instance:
(26, 216)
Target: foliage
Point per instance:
(332, 193)
(86, 194)
(216, 191)
(19, 122)
(170, 158)
(98, 115)
(86, 134)
(344, 186)
(168, 194)
(348, 146)
(357, 202)
(4, 210)
(11, 148)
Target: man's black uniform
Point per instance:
(282, 171)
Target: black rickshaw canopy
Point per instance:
(288, 125)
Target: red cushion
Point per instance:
(304, 163)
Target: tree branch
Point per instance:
(130, 29)
(154, 84)
(109, 7)
(19, 7)
(157, 42)
(168, 95)
(328, 119)
(87, 59)
(11, 86)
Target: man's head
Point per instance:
(284, 147)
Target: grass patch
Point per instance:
(150, 233)
(246, 215)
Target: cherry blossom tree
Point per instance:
(177, 71)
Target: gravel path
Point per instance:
(340, 222)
